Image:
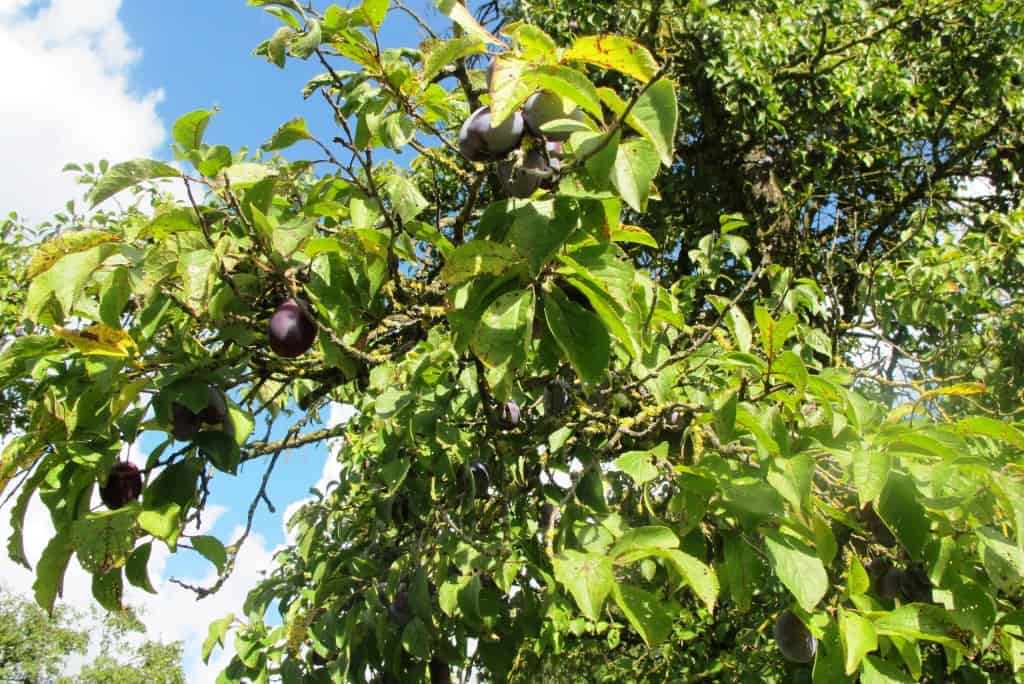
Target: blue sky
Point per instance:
(91, 79)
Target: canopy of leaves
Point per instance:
(761, 328)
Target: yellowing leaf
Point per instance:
(614, 52)
(965, 389)
(50, 252)
(99, 339)
(458, 13)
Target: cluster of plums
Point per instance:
(479, 141)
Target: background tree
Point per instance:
(35, 647)
(720, 357)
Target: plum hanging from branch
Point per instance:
(292, 332)
(480, 142)
(123, 485)
(542, 108)
(794, 640)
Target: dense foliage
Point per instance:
(703, 366)
(35, 648)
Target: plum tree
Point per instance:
(753, 298)
(795, 641)
(291, 330)
(544, 107)
(479, 142)
(122, 486)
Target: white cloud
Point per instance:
(67, 99)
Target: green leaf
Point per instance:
(392, 401)
(566, 82)
(637, 464)
(590, 491)
(243, 175)
(108, 589)
(919, 621)
(304, 44)
(798, 568)
(415, 639)
(50, 569)
(790, 367)
(871, 466)
(405, 197)
(103, 541)
(437, 54)
(136, 568)
(198, 269)
(277, 45)
(188, 130)
(654, 116)
(588, 577)
(375, 11)
(829, 661)
(740, 328)
(699, 576)
(21, 452)
(636, 165)
(614, 52)
(792, 478)
(900, 508)
(643, 539)
(458, 13)
(741, 570)
(287, 135)
(167, 498)
(878, 671)
(580, 335)
(858, 637)
(502, 338)
(211, 549)
(857, 580)
(1003, 561)
(535, 44)
(128, 174)
(170, 222)
(540, 228)
(477, 257)
(982, 426)
(506, 87)
(645, 611)
(215, 635)
(633, 234)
